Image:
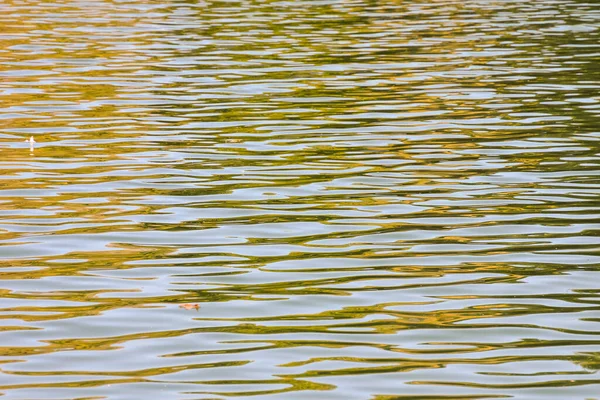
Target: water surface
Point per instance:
(366, 200)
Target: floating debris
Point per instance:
(31, 142)
(190, 306)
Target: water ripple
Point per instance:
(324, 199)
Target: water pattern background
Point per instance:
(366, 199)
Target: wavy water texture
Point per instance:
(366, 200)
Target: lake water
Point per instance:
(300, 199)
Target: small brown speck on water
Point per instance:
(190, 306)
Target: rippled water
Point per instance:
(385, 200)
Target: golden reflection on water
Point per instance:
(386, 200)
